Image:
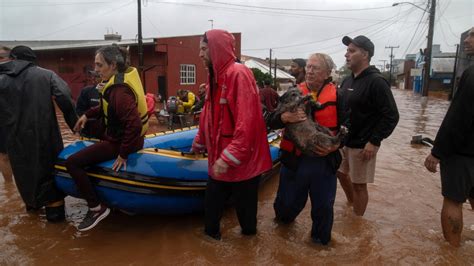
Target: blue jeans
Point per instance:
(315, 176)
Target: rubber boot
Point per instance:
(55, 212)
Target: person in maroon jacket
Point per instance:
(233, 132)
(269, 97)
(123, 134)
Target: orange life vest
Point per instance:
(325, 116)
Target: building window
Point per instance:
(187, 74)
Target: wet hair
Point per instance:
(325, 59)
(182, 92)
(115, 54)
(300, 62)
(204, 38)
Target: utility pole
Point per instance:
(453, 79)
(391, 60)
(212, 23)
(140, 40)
(384, 61)
(429, 50)
(275, 73)
(270, 64)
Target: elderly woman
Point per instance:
(124, 112)
(314, 175)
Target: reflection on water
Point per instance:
(401, 225)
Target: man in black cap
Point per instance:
(34, 138)
(297, 69)
(373, 115)
(22, 52)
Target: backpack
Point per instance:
(172, 104)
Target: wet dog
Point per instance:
(308, 134)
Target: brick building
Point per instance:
(170, 63)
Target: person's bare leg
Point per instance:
(361, 198)
(5, 167)
(451, 221)
(346, 185)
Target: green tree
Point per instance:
(261, 77)
(344, 71)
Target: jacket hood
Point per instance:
(368, 71)
(14, 68)
(221, 49)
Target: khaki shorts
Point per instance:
(360, 171)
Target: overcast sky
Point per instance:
(291, 28)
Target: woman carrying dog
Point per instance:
(302, 174)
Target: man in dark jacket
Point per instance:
(34, 138)
(373, 115)
(454, 151)
(89, 96)
(202, 98)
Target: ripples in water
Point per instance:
(401, 225)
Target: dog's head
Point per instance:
(292, 99)
(291, 96)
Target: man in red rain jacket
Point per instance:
(233, 132)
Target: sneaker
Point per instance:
(93, 218)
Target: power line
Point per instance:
(372, 34)
(450, 29)
(29, 4)
(300, 9)
(85, 20)
(414, 34)
(296, 15)
(151, 23)
(313, 42)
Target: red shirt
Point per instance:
(269, 97)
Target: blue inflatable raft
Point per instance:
(161, 178)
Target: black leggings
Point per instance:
(75, 164)
(245, 197)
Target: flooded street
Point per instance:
(401, 224)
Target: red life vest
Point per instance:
(325, 116)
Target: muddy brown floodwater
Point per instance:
(401, 225)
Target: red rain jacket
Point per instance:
(231, 124)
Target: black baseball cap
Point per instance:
(360, 41)
(23, 53)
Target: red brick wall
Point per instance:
(164, 59)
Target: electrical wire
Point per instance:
(414, 34)
(286, 14)
(318, 41)
(85, 20)
(29, 4)
(300, 9)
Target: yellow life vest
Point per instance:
(132, 80)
